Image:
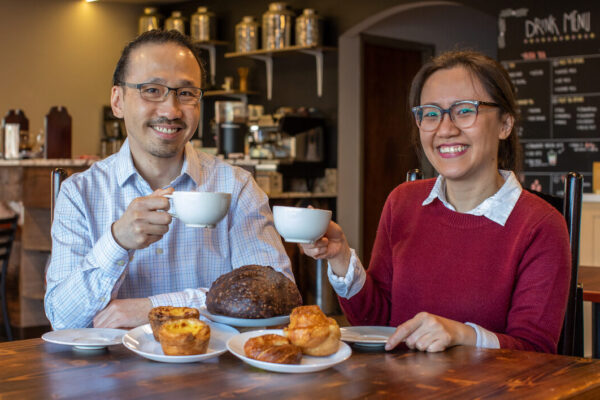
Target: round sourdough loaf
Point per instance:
(253, 291)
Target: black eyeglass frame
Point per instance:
(476, 103)
(139, 86)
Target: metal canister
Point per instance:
(175, 21)
(277, 26)
(246, 35)
(12, 141)
(148, 21)
(309, 31)
(203, 25)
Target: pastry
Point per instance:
(273, 348)
(184, 337)
(313, 331)
(252, 291)
(160, 315)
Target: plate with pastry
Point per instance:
(270, 350)
(367, 336)
(251, 296)
(86, 338)
(180, 340)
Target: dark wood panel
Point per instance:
(388, 151)
(33, 369)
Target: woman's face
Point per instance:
(469, 154)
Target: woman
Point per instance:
(468, 258)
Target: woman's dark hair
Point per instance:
(497, 84)
(156, 36)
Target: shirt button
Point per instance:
(121, 263)
(159, 251)
(102, 299)
(131, 258)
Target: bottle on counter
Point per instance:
(12, 136)
(203, 25)
(148, 21)
(246, 35)
(176, 22)
(24, 146)
(277, 26)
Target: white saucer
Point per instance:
(245, 322)
(308, 364)
(141, 341)
(85, 338)
(367, 336)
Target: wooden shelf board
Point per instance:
(211, 93)
(274, 52)
(212, 42)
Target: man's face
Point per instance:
(158, 129)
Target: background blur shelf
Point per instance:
(211, 47)
(267, 57)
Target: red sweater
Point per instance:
(512, 280)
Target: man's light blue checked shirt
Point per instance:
(88, 268)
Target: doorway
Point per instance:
(389, 66)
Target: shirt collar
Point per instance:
(496, 208)
(126, 169)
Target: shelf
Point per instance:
(210, 46)
(267, 57)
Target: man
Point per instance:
(116, 252)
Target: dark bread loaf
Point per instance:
(252, 291)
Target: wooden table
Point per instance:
(590, 280)
(33, 369)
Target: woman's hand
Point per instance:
(332, 247)
(432, 333)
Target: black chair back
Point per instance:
(8, 227)
(58, 176)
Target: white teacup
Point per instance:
(199, 209)
(301, 225)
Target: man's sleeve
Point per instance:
(82, 276)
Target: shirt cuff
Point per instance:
(109, 256)
(485, 339)
(354, 280)
(195, 298)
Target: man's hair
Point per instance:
(156, 37)
(496, 82)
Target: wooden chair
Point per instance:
(57, 178)
(571, 338)
(8, 227)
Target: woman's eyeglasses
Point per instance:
(462, 113)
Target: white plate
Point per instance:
(308, 364)
(367, 336)
(245, 322)
(141, 341)
(85, 338)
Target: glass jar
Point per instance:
(246, 35)
(203, 25)
(148, 21)
(176, 22)
(309, 31)
(277, 26)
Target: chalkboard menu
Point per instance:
(553, 57)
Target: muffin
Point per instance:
(313, 332)
(160, 315)
(184, 337)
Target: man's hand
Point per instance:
(124, 313)
(144, 222)
(432, 333)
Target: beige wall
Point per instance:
(62, 52)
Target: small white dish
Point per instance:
(245, 322)
(367, 336)
(85, 338)
(308, 364)
(141, 341)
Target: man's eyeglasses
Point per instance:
(462, 113)
(157, 92)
